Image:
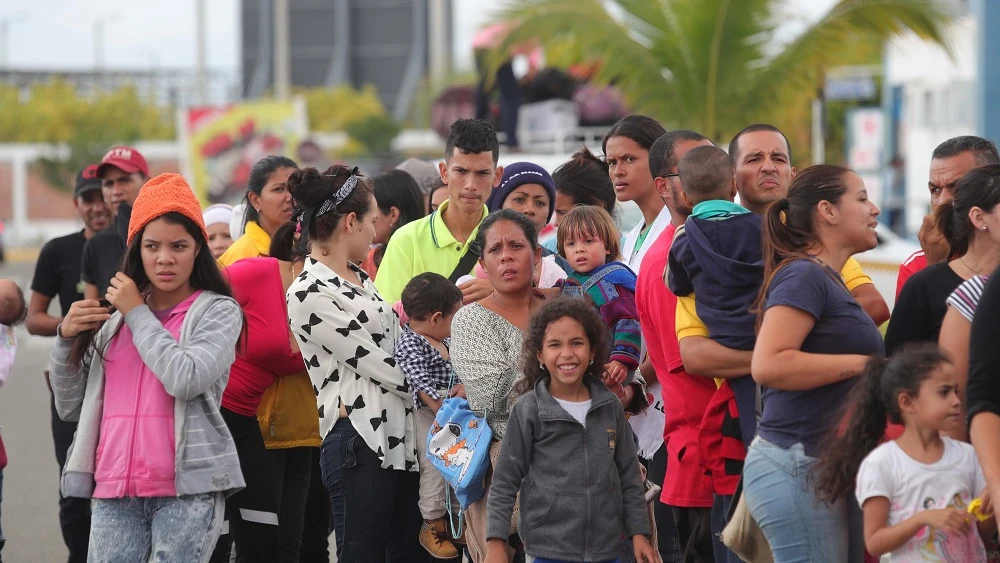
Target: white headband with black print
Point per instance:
(307, 214)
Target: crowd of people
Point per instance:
(239, 383)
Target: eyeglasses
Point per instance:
(672, 175)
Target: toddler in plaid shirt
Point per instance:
(430, 301)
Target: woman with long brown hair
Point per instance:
(347, 335)
(813, 340)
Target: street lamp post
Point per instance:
(281, 54)
(100, 23)
(5, 23)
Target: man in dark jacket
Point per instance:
(123, 171)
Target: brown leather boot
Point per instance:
(436, 539)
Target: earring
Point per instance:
(984, 227)
(591, 362)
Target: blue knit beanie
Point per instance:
(520, 173)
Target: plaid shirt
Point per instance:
(423, 366)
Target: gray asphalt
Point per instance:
(30, 512)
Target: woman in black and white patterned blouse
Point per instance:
(347, 334)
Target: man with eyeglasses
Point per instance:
(122, 171)
(686, 490)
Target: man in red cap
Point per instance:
(57, 274)
(123, 171)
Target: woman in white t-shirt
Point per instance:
(916, 490)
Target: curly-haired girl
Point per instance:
(563, 357)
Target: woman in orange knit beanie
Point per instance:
(144, 377)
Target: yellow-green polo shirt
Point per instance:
(424, 245)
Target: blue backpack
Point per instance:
(458, 445)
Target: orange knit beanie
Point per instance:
(161, 195)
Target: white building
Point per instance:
(938, 94)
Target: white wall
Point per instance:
(938, 102)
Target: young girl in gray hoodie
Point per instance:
(568, 450)
(143, 373)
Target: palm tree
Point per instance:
(714, 65)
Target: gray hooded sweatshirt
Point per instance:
(194, 370)
(580, 486)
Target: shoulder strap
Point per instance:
(467, 262)
(595, 279)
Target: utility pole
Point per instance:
(5, 22)
(439, 39)
(100, 22)
(201, 49)
(98, 44)
(281, 55)
(5, 43)
(818, 130)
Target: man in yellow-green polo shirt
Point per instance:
(437, 243)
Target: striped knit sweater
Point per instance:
(612, 289)
(194, 370)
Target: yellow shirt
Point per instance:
(689, 324)
(255, 242)
(424, 245)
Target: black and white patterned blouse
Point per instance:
(347, 334)
(486, 354)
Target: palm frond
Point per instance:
(712, 65)
(851, 29)
(586, 31)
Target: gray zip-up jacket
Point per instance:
(193, 370)
(580, 486)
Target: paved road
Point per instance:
(30, 517)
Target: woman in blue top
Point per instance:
(813, 340)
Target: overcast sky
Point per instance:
(160, 33)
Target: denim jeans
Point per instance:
(375, 512)
(666, 532)
(720, 517)
(778, 491)
(162, 529)
(543, 560)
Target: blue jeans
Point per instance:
(666, 531)
(163, 529)
(544, 560)
(800, 528)
(375, 512)
(720, 517)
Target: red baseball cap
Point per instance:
(126, 159)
